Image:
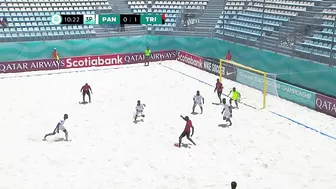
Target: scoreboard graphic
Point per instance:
(157, 19)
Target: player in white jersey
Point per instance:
(139, 110)
(198, 100)
(227, 112)
(60, 126)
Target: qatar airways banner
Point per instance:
(155, 56)
(190, 59)
(31, 65)
(83, 61)
(325, 104)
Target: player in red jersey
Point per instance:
(186, 131)
(86, 90)
(219, 89)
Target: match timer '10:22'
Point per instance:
(109, 19)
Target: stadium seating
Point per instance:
(243, 18)
(320, 43)
(30, 19)
(171, 9)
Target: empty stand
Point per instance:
(30, 19)
(250, 20)
(171, 9)
(322, 42)
(209, 18)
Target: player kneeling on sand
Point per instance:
(227, 112)
(139, 110)
(198, 100)
(59, 127)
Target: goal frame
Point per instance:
(237, 65)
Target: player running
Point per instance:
(235, 96)
(227, 112)
(86, 90)
(186, 131)
(219, 89)
(139, 110)
(198, 100)
(59, 127)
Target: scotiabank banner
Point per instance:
(212, 66)
(325, 104)
(94, 61)
(190, 59)
(117, 59)
(31, 65)
(83, 61)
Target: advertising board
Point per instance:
(190, 59)
(325, 104)
(212, 66)
(31, 65)
(277, 88)
(83, 61)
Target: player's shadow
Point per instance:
(223, 125)
(83, 102)
(58, 139)
(186, 145)
(194, 113)
(214, 103)
(137, 121)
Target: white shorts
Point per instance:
(227, 115)
(62, 128)
(198, 103)
(139, 113)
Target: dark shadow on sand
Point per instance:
(137, 121)
(224, 125)
(186, 145)
(214, 103)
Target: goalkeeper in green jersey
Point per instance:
(235, 96)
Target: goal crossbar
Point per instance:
(237, 65)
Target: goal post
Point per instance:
(257, 79)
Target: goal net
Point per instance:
(256, 84)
